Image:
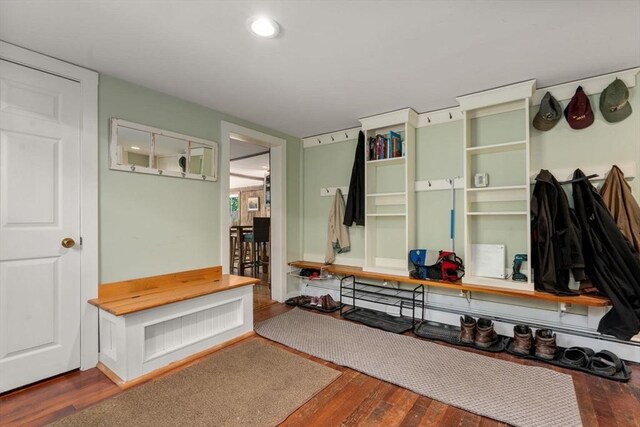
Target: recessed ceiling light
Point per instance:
(264, 27)
(133, 147)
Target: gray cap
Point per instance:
(614, 102)
(549, 114)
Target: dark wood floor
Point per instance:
(353, 399)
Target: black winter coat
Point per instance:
(354, 211)
(611, 263)
(556, 245)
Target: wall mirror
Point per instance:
(144, 149)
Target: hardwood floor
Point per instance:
(353, 399)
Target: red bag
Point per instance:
(451, 266)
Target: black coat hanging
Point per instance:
(354, 211)
(610, 261)
(556, 246)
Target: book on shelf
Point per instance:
(396, 144)
(381, 147)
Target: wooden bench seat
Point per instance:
(151, 324)
(345, 270)
(131, 296)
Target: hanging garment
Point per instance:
(337, 232)
(616, 195)
(611, 264)
(355, 198)
(556, 245)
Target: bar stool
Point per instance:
(259, 240)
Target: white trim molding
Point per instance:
(330, 138)
(278, 150)
(591, 85)
(88, 81)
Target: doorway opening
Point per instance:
(250, 214)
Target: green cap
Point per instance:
(614, 102)
(549, 114)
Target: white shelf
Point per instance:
(387, 214)
(400, 193)
(496, 213)
(512, 193)
(504, 188)
(498, 148)
(387, 162)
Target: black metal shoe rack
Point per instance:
(352, 291)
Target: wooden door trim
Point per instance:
(88, 81)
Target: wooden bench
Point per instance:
(346, 270)
(151, 324)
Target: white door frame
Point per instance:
(278, 150)
(88, 186)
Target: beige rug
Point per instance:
(525, 396)
(252, 384)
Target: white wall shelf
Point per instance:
(498, 148)
(387, 214)
(497, 213)
(390, 196)
(476, 107)
(387, 162)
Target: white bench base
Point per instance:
(139, 343)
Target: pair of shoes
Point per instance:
(545, 344)
(480, 333)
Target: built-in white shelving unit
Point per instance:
(390, 195)
(502, 202)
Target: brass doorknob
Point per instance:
(68, 242)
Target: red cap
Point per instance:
(578, 112)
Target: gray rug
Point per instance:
(251, 384)
(505, 391)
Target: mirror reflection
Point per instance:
(133, 147)
(144, 149)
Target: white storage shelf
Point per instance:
(498, 148)
(507, 201)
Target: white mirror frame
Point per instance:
(113, 151)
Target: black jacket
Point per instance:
(354, 211)
(611, 262)
(556, 245)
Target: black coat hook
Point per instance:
(346, 136)
(450, 116)
(319, 141)
(428, 120)
(332, 138)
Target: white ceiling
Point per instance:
(333, 62)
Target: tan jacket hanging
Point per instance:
(616, 194)
(337, 232)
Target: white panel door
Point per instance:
(39, 207)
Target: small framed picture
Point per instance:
(253, 204)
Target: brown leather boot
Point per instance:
(522, 339)
(485, 334)
(467, 329)
(545, 344)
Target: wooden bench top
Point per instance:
(587, 300)
(131, 296)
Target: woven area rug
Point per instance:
(505, 391)
(252, 384)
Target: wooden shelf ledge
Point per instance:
(131, 296)
(586, 300)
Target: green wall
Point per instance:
(153, 225)
(328, 166)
